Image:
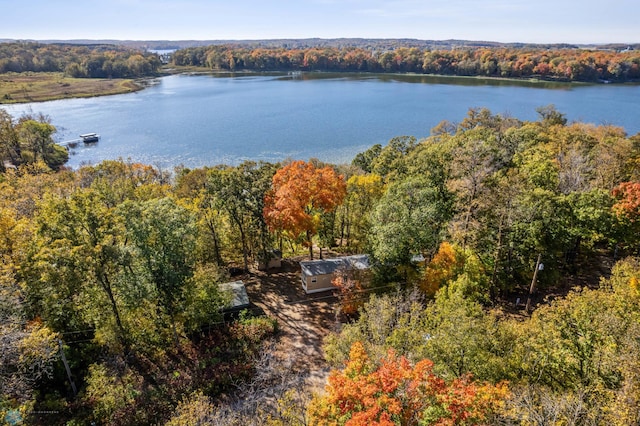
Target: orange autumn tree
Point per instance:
(393, 392)
(627, 209)
(627, 204)
(299, 194)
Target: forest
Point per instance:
(557, 62)
(562, 64)
(110, 307)
(79, 61)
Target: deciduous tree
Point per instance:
(299, 193)
(408, 220)
(76, 265)
(393, 391)
(162, 235)
(363, 192)
(240, 192)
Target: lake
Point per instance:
(211, 119)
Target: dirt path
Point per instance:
(304, 320)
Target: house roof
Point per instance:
(240, 299)
(329, 266)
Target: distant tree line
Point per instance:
(507, 62)
(345, 42)
(80, 61)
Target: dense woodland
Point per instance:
(563, 63)
(506, 62)
(92, 61)
(118, 264)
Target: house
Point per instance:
(239, 299)
(317, 274)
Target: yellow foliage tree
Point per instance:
(457, 269)
(447, 263)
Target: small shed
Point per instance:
(318, 274)
(274, 261)
(239, 299)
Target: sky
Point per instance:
(528, 21)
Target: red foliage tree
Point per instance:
(395, 392)
(299, 193)
(628, 200)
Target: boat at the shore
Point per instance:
(90, 137)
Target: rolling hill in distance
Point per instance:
(371, 43)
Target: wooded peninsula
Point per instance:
(502, 286)
(32, 72)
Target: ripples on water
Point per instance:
(207, 120)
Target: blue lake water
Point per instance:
(207, 120)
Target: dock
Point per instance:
(70, 143)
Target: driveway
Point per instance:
(304, 320)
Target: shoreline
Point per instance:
(528, 80)
(21, 88)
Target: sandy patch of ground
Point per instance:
(304, 319)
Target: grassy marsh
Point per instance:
(38, 87)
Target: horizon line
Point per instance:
(50, 40)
